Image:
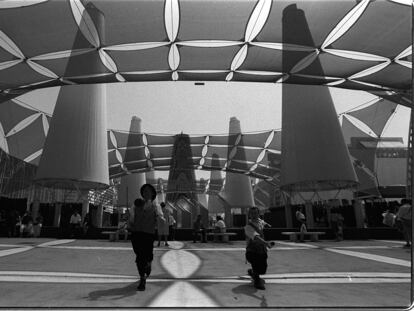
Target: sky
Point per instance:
(174, 107)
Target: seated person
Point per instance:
(220, 226)
(198, 228)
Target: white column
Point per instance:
(56, 217)
(76, 150)
(359, 211)
(130, 184)
(238, 191)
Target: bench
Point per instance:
(293, 236)
(225, 235)
(114, 235)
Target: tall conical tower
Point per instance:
(181, 180)
(130, 184)
(314, 154)
(238, 192)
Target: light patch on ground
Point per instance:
(182, 294)
(379, 258)
(180, 263)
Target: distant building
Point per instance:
(386, 160)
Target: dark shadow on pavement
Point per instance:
(116, 293)
(249, 290)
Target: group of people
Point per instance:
(199, 230)
(401, 220)
(145, 214)
(22, 226)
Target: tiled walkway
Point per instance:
(96, 273)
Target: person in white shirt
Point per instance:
(256, 249)
(220, 225)
(75, 224)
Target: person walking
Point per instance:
(163, 225)
(404, 218)
(142, 220)
(256, 249)
(198, 229)
(300, 217)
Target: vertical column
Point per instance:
(56, 217)
(238, 191)
(359, 213)
(99, 216)
(35, 208)
(85, 204)
(288, 216)
(130, 184)
(309, 214)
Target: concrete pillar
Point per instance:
(99, 216)
(359, 211)
(310, 223)
(288, 215)
(130, 184)
(35, 208)
(75, 154)
(238, 190)
(56, 217)
(228, 216)
(85, 205)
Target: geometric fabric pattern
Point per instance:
(364, 45)
(258, 157)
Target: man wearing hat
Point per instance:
(142, 221)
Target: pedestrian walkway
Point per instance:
(96, 273)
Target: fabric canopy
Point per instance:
(360, 44)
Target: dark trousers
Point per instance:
(258, 262)
(143, 245)
(202, 233)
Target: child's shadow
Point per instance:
(115, 293)
(249, 290)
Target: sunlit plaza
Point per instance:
(97, 273)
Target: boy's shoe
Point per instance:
(166, 244)
(259, 284)
(141, 285)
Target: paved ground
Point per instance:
(97, 273)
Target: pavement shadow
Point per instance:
(115, 293)
(249, 290)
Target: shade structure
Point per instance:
(130, 184)
(75, 152)
(314, 154)
(237, 190)
(361, 44)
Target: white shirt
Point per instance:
(75, 219)
(251, 232)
